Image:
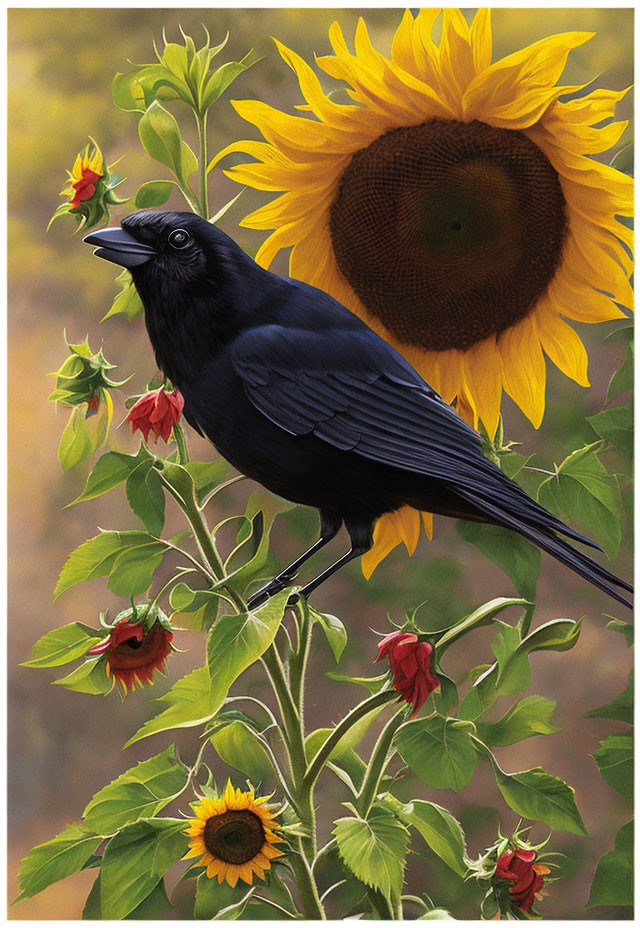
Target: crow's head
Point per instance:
(174, 247)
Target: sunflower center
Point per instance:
(138, 653)
(449, 232)
(235, 836)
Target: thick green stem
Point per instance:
(377, 765)
(307, 887)
(202, 164)
(318, 762)
(298, 664)
(183, 454)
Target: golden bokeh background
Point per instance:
(63, 746)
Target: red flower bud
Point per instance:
(156, 412)
(518, 868)
(135, 652)
(410, 661)
(84, 187)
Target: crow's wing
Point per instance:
(345, 385)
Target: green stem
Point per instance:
(202, 164)
(181, 442)
(318, 762)
(298, 664)
(377, 765)
(189, 196)
(307, 887)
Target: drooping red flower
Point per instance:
(410, 661)
(518, 868)
(156, 412)
(135, 652)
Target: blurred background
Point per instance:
(64, 746)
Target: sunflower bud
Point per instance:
(410, 661)
(156, 412)
(82, 378)
(138, 645)
(89, 190)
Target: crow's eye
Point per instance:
(179, 238)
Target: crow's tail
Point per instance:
(557, 547)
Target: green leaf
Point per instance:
(155, 905)
(110, 471)
(512, 674)
(439, 751)
(135, 861)
(262, 509)
(62, 645)
(483, 615)
(622, 379)
(613, 880)
(133, 568)
(194, 608)
(207, 475)
(517, 557)
(442, 832)
(334, 630)
(538, 796)
(84, 434)
(141, 792)
(160, 136)
(212, 897)
(584, 492)
(145, 496)
(127, 302)
(625, 628)
(90, 677)
(234, 643)
(374, 849)
(222, 78)
(54, 860)
(616, 426)
(614, 757)
(97, 558)
(136, 89)
(373, 684)
(238, 746)
(153, 193)
(527, 717)
(620, 708)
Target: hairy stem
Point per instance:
(377, 765)
(183, 454)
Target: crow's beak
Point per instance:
(119, 246)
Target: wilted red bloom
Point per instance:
(85, 187)
(135, 653)
(527, 877)
(156, 412)
(410, 661)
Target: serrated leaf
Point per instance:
(441, 831)
(134, 567)
(614, 758)
(97, 557)
(145, 496)
(612, 883)
(156, 904)
(62, 645)
(616, 426)
(54, 860)
(584, 492)
(335, 632)
(238, 746)
(234, 643)
(439, 751)
(140, 792)
(135, 861)
(527, 717)
(110, 471)
(620, 708)
(513, 554)
(537, 795)
(374, 849)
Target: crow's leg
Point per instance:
(361, 534)
(329, 528)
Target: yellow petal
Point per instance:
(481, 39)
(385, 538)
(524, 369)
(562, 345)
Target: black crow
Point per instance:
(299, 394)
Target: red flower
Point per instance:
(410, 661)
(518, 867)
(135, 653)
(157, 412)
(85, 187)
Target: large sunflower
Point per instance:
(453, 206)
(234, 836)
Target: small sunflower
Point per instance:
(453, 206)
(135, 652)
(87, 170)
(234, 835)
